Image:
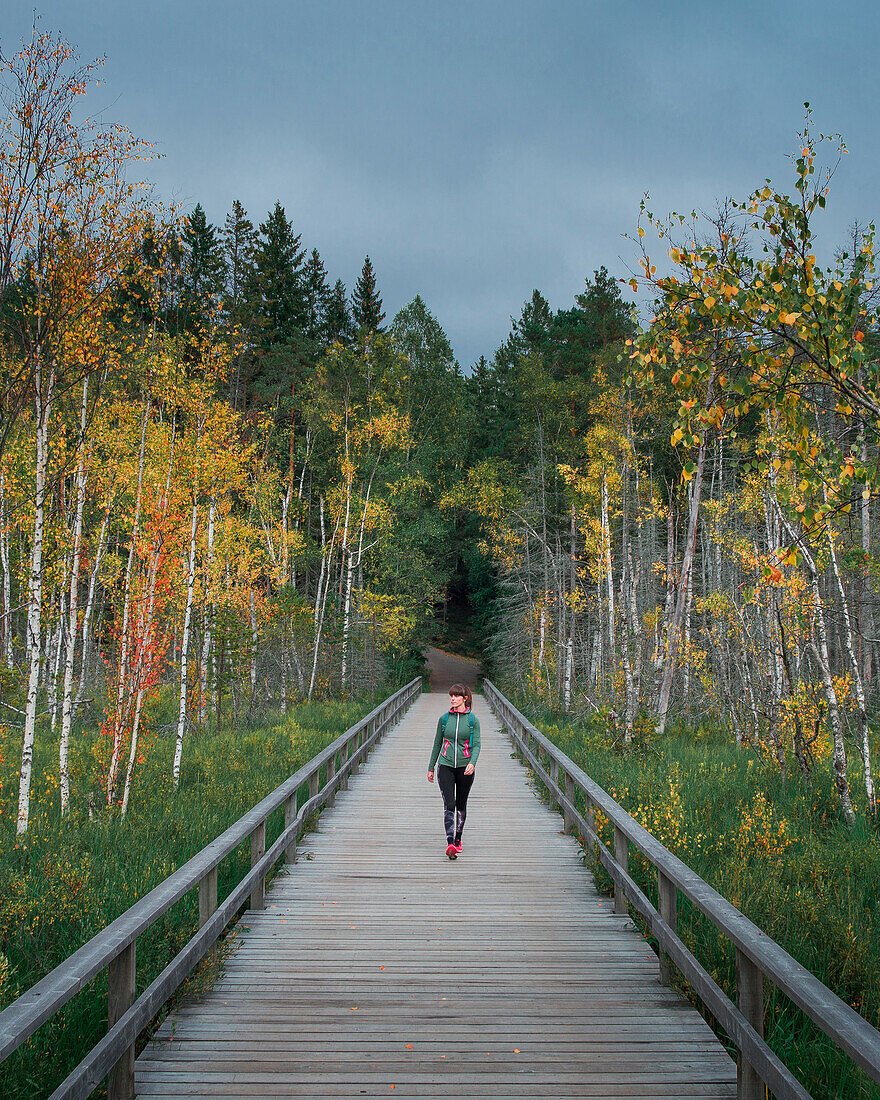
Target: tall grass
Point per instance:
(777, 849)
(68, 879)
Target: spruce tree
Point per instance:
(366, 305)
(239, 243)
(338, 325)
(317, 295)
(203, 269)
(277, 292)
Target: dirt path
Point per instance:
(446, 669)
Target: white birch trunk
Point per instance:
(184, 645)
(118, 726)
(864, 732)
(672, 641)
(90, 606)
(819, 647)
(7, 579)
(209, 618)
(35, 592)
(73, 612)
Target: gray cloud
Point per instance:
(478, 150)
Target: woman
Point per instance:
(457, 745)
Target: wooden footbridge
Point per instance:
(376, 967)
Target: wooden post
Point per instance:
(120, 997)
(290, 816)
(567, 817)
(591, 814)
(750, 999)
(208, 896)
(313, 784)
(554, 775)
(343, 757)
(667, 895)
(331, 775)
(258, 850)
(621, 855)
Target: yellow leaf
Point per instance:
(641, 232)
(709, 302)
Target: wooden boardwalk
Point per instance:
(380, 968)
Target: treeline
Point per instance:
(683, 517)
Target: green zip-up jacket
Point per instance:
(457, 745)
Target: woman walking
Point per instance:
(457, 745)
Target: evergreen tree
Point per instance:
(277, 290)
(203, 269)
(338, 325)
(366, 305)
(317, 295)
(240, 242)
(608, 316)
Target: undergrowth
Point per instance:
(66, 880)
(776, 848)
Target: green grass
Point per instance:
(68, 879)
(776, 849)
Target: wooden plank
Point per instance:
(377, 961)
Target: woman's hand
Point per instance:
(431, 776)
(469, 770)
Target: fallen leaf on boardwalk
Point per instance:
(381, 967)
(409, 1046)
(351, 926)
(354, 1008)
(515, 1051)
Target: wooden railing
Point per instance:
(114, 947)
(758, 958)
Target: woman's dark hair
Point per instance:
(464, 690)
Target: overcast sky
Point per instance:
(477, 149)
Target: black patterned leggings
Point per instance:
(455, 787)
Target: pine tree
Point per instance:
(240, 242)
(338, 325)
(608, 316)
(366, 305)
(203, 269)
(317, 295)
(277, 289)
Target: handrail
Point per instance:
(757, 955)
(114, 946)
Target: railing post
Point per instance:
(667, 895)
(258, 850)
(591, 814)
(331, 775)
(314, 779)
(750, 999)
(289, 818)
(621, 856)
(343, 761)
(208, 896)
(554, 775)
(121, 975)
(568, 817)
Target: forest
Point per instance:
(233, 491)
(225, 480)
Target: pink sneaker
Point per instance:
(452, 851)
(457, 846)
